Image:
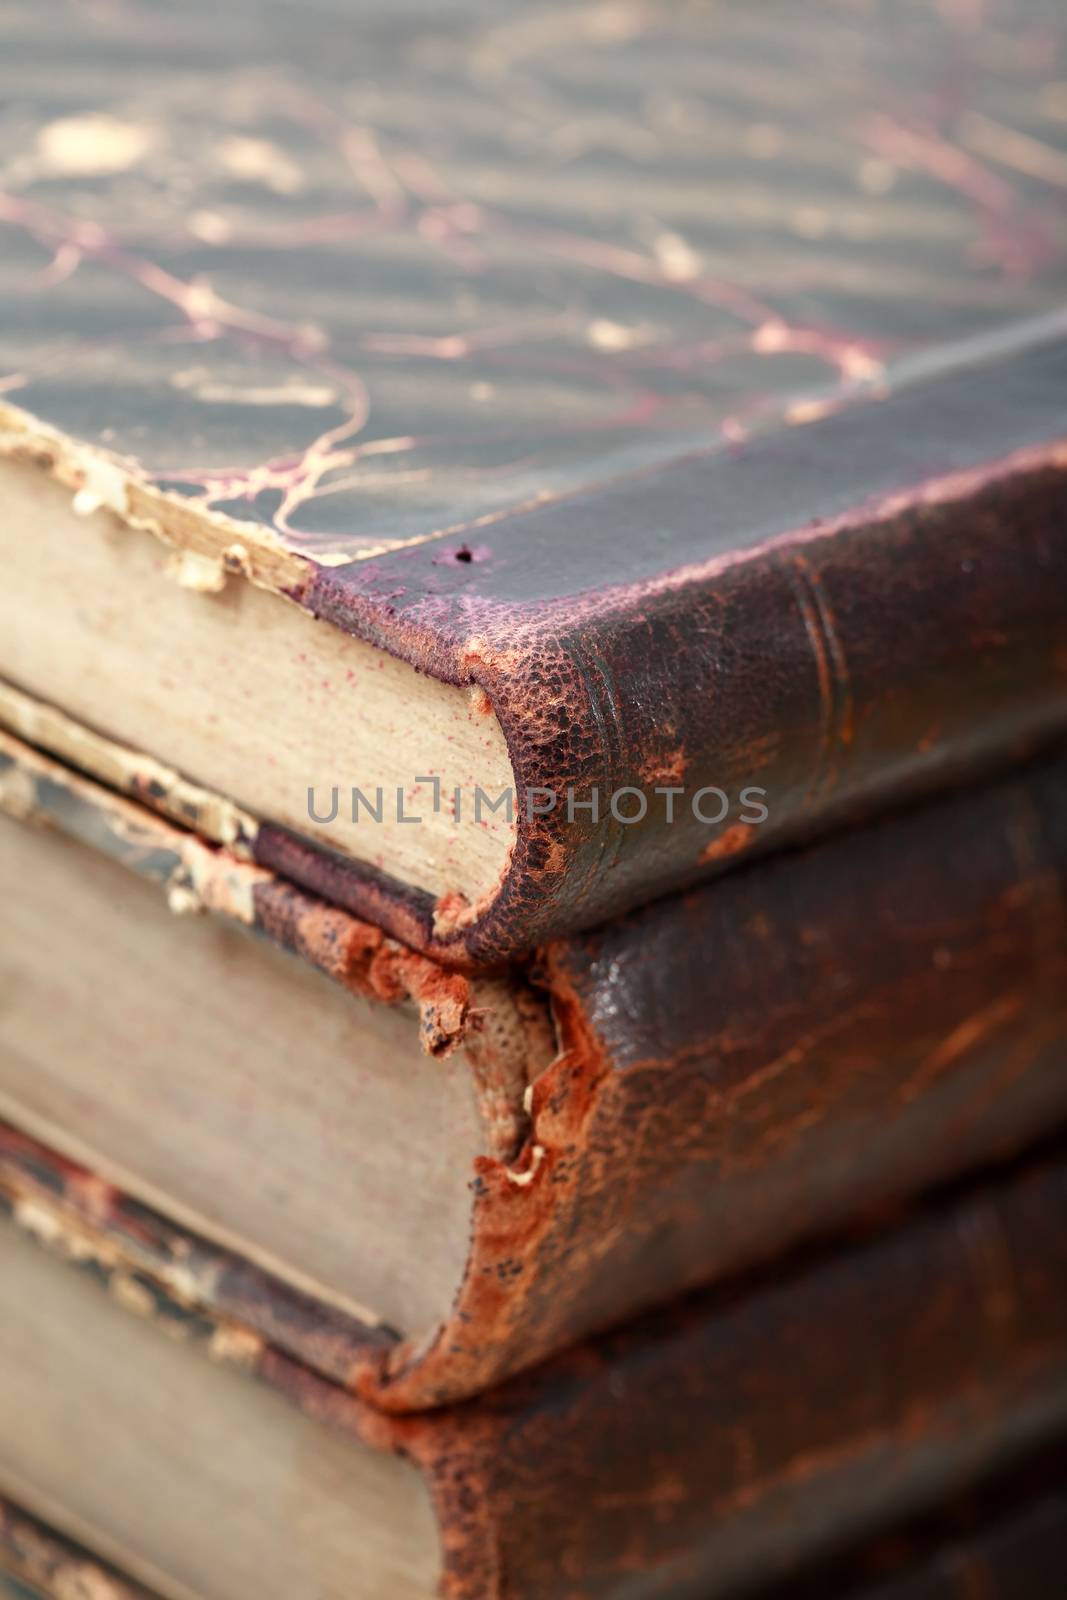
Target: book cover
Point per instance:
(716, 1446)
(692, 1090)
(681, 467)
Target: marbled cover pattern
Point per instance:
(358, 274)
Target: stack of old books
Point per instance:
(533, 751)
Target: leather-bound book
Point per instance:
(504, 464)
(1005, 1539)
(704, 1451)
(691, 1090)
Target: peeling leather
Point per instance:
(690, 1457)
(512, 394)
(801, 1045)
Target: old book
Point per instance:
(705, 1450)
(1006, 1538)
(655, 1106)
(617, 481)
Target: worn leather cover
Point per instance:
(776, 1056)
(731, 1439)
(1001, 1541)
(670, 372)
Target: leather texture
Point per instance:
(1003, 1540)
(865, 609)
(781, 1055)
(809, 1039)
(705, 426)
(725, 1442)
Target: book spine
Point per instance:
(806, 1043)
(722, 1446)
(734, 1439)
(780, 679)
(774, 1057)
(1018, 1551)
(908, 633)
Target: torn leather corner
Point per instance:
(527, 1200)
(511, 1039)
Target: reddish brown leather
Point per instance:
(1004, 1541)
(731, 1440)
(775, 1056)
(867, 608)
(687, 376)
(723, 1445)
(808, 1040)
